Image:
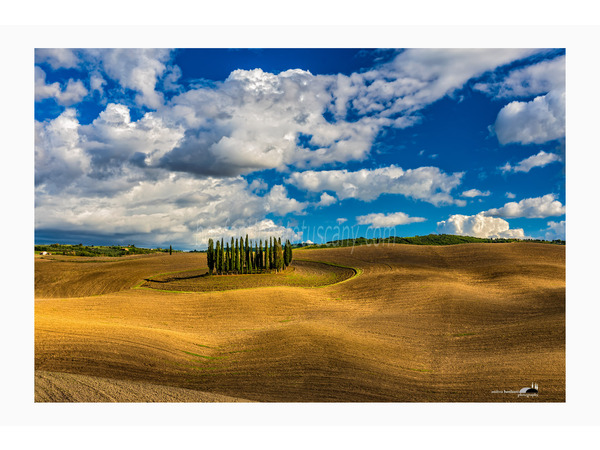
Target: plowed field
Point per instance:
(418, 323)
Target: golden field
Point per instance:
(412, 324)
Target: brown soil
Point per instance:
(68, 276)
(66, 387)
(421, 323)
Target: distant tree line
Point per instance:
(431, 239)
(93, 250)
(246, 256)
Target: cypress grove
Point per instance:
(244, 256)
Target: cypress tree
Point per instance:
(289, 252)
(218, 254)
(210, 256)
(250, 256)
(266, 255)
(222, 257)
(223, 267)
(275, 255)
(246, 255)
(236, 261)
(281, 258)
(272, 249)
(272, 245)
(242, 254)
(170, 250)
(227, 259)
(256, 265)
(231, 264)
(220, 260)
(269, 251)
(260, 255)
(230, 259)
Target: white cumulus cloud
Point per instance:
(555, 230)
(326, 200)
(418, 77)
(380, 220)
(60, 157)
(539, 160)
(475, 193)
(57, 57)
(277, 201)
(72, 93)
(136, 69)
(256, 120)
(539, 120)
(538, 207)
(429, 184)
(535, 79)
(261, 230)
(479, 225)
(535, 122)
(113, 139)
(97, 83)
(172, 208)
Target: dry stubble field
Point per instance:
(418, 324)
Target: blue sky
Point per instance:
(157, 147)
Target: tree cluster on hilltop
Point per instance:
(431, 239)
(96, 250)
(244, 256)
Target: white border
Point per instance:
(16, 387)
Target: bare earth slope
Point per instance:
(68, 276)
(420, 323)
(66, 387)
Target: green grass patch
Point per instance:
(307, 274)
(205, 346)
